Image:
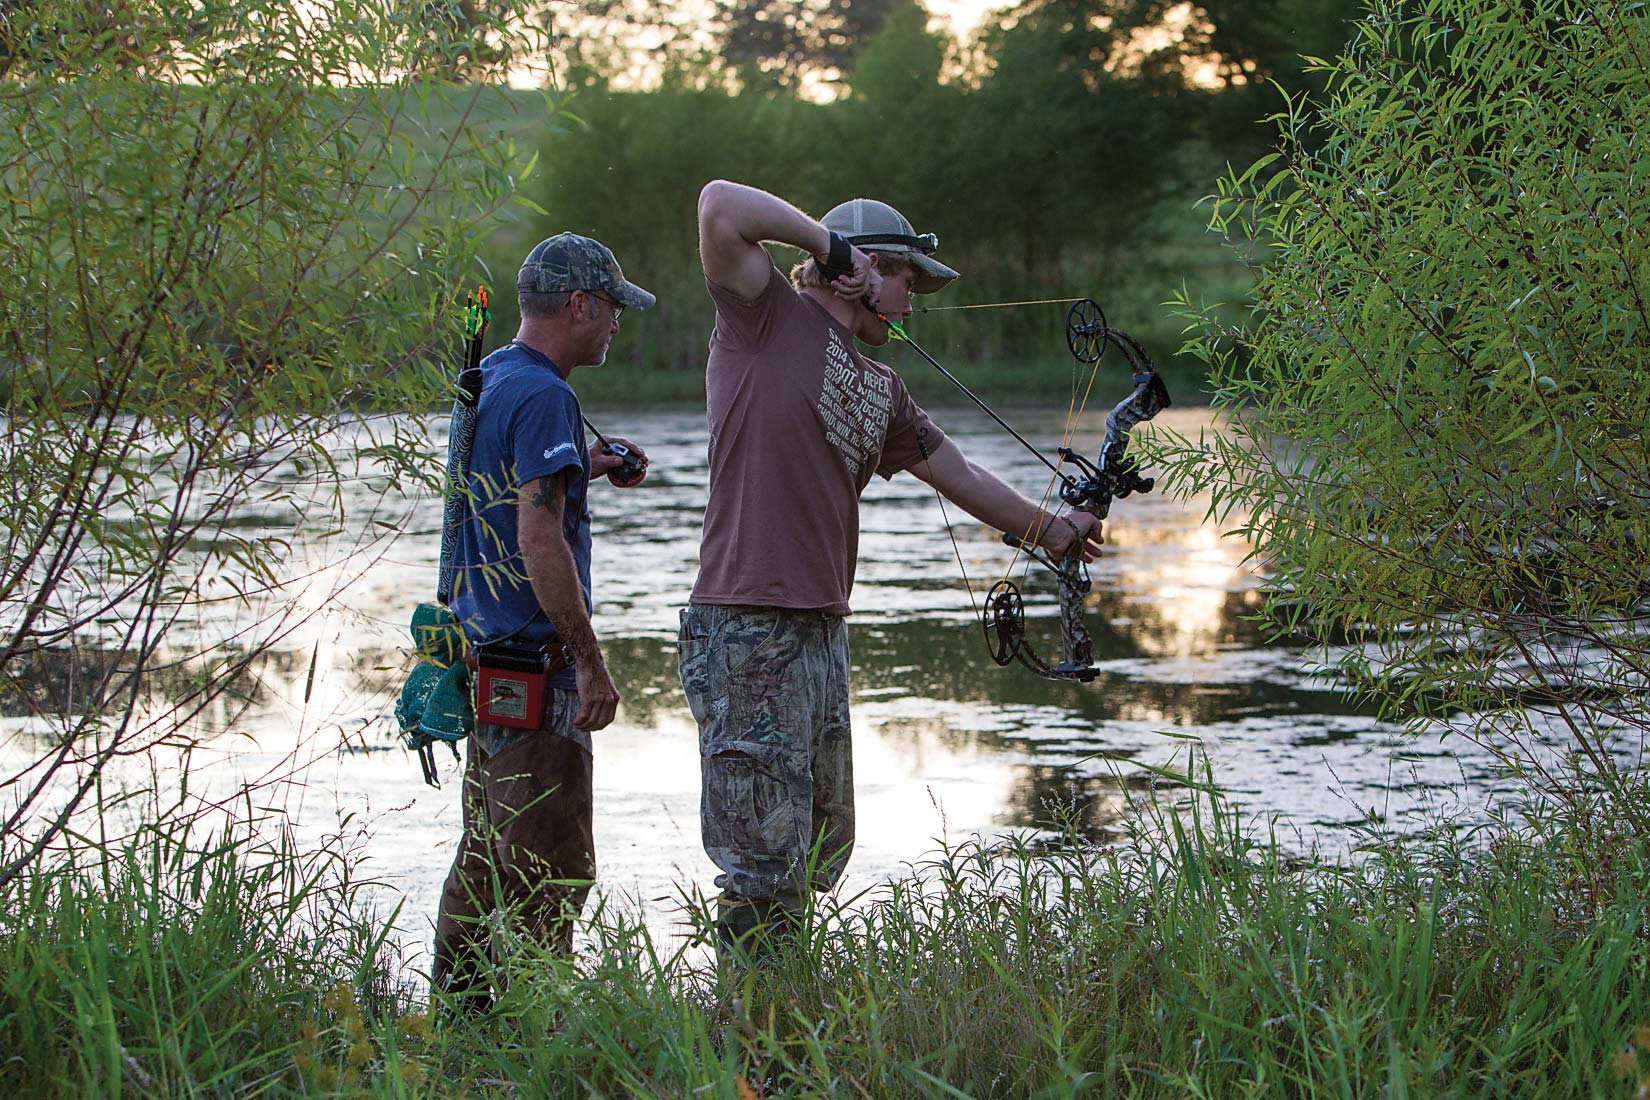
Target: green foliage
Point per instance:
(1441, 394)
(231, 229)
(1193, 961)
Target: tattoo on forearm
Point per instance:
(548, 494)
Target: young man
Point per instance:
(799, 421)
(523, 566)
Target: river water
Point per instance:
(947, 745)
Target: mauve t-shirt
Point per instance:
(799, 421)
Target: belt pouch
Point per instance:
(512, 683)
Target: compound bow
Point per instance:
(1112, 476)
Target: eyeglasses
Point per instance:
(618, 306)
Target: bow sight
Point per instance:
(1113, 475)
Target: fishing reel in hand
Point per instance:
(633, 470)
(634, 466)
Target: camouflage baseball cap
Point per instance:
(568, 261)
(873, 226)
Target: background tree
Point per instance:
(778, 43)
(1176, 49)
(765, 46)
(224, 248)
(1091, 149)
(1040, 174)
(598, 43)
(1439, 403)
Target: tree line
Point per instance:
(1059, 152)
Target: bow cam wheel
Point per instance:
(1086, 332)
(1004, 619)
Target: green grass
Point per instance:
(1191, 961)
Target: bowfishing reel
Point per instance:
(633, 470)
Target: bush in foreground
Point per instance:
(1195, 961)
(1439, 398)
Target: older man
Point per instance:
(523, 600)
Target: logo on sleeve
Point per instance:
(553, 452)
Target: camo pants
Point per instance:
(769, 689)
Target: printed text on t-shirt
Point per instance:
(854, 406)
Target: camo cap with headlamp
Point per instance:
(873, 226)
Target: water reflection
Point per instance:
(946, 744)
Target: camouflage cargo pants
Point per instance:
(768, 687)
(528, 848)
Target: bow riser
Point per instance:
(1074, 632)
(1116, 475)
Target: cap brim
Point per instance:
(932, 276)
(632, 296)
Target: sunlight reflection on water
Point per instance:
(946, 744)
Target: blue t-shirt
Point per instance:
(528, 426)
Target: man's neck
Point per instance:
(842, 311)
(547, 343)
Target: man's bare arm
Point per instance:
(555, 580)
(734, 220)
(983, 495)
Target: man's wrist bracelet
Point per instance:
(838, 262)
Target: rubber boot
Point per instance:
(458, 983)
(749, 930)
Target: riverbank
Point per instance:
(1190, 960)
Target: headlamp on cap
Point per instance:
(927, 243)
(874, 225)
